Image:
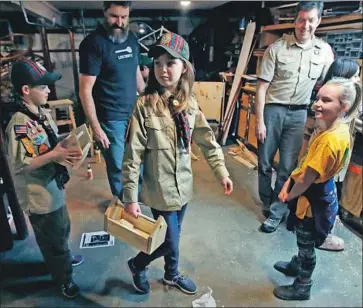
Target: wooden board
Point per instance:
(210, 97)
(252, 139)
(244, 162)
(245, 100)
(240, 70)
(324, 21)
(346, 27)
(242, 124)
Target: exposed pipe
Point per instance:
(83, 25)
(47, 60)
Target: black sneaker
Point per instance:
(140, 282)
(77, 260)
(70, 290)
(184, 283)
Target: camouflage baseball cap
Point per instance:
(174, 44)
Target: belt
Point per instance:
(290, 107)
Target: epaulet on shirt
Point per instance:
(320, 42)
(280, 39)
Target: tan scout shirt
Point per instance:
(293, 70)
(37, 191)
(168, 176)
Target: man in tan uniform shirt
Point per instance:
(289, 70)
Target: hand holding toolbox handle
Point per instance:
(143, 233)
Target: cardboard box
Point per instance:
(80, 139)
(142, 233)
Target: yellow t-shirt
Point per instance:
(327, 154)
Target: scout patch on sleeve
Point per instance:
(28, 145)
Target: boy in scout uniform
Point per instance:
(289, 70)
(35, 156)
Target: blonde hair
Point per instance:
(350, 94)
(156, 97)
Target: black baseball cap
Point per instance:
(28, 72)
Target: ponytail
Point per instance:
(350, 94)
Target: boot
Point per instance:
(291, 268)
(296, 291)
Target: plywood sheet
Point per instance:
(210, 97)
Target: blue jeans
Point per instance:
(170, 248)
(115, 131)
(284, 132)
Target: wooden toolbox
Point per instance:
(80, 139)
(142, 233)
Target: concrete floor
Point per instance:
(221, 247)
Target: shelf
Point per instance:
(324, 21)
(345, 27)
(63, 122)
(250, 90)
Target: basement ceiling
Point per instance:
(138, 5)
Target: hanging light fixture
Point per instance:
(185, 3)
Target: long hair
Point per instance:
(155, 94)
(342, 67)
(350, 94)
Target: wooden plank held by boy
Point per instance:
(142, 233)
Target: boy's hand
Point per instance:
(62, 154)
(284, 192)
(227, 185)
(133, 208)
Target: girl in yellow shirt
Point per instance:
(310, 189)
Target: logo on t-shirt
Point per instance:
(128, 50)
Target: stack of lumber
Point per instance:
(244, 156)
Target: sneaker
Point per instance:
(332, 243)
(266, 212)
(270, 225)
(70, 290)
(77, 260)
(140, 282)
(184, 283)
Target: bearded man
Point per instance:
(110, 78)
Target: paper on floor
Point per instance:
(206, 300)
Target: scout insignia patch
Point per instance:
(36, 134)
(28, 145)
(43, 148)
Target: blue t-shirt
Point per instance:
(115, 65)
